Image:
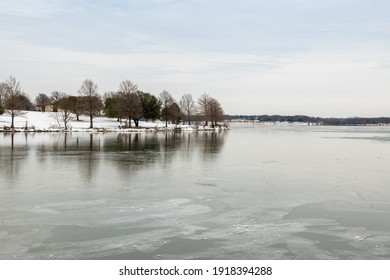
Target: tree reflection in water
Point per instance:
(127, 152)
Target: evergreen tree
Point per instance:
(151, 106)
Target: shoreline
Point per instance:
(114, 130)
(40, 122)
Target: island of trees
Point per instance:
(127, 104)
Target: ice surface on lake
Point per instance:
(249, 193)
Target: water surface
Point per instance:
(249, 193)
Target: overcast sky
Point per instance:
(314, 57)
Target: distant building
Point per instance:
(45, 108)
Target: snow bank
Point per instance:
(46, 122)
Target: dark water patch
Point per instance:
(207, 184)
(326, 228)
(371, 220)
(327, 242)
(279, 246)
(180, 245)
(38, 249)
(371, 138)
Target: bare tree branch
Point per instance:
(14, 100)
(64, 105)
(166, 100)
(187, 106)
(93, 104)
(203, 102)
(129, 102)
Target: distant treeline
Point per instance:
(314, 120)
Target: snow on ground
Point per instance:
(46, 121)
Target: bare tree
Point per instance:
(77, 105)
(215, 111)
(65, 105)
(166, 100)
(129, 103)
(127, 87)
(93, 102)
(2, 96)
(173, 113)
(3, 87)
(187, 106)
(56, 95)
(203, 103)
(42, 100)
(14, 99)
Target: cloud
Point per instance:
(320, 74)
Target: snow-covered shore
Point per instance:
(46, 122)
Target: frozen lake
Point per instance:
(280, 192)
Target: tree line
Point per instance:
(128, 104)
(314, 120)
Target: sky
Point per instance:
(327, 58)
